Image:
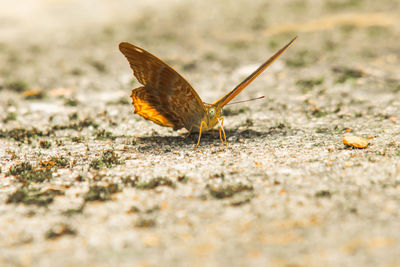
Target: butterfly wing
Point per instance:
(165, 98)
(229, 96)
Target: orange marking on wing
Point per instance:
(146, 109)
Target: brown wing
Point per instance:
(166, 97)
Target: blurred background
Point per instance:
(64, 43)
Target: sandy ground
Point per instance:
(85, 182)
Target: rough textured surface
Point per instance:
(84, 181)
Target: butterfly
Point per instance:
(167, 99)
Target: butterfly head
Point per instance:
(213, 113)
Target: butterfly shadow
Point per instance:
(170, 143)
(233, 136)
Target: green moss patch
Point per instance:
(76, 125)
(33, 196)
(26, 174)
(23, 135)
(155, 182)
(108, 159)
(101, 193)
(59, 230)
(229, 190)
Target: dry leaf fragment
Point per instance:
(355, 141)
(34, 94)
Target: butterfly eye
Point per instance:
(211, 112)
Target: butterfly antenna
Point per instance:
(245, 100)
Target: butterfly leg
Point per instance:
(201, 127)
(221, 129)
(189, 132)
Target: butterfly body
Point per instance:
(210, 119)
(167, 99)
